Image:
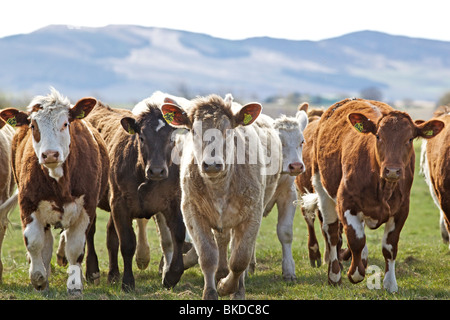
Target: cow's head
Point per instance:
(290, 130)
(155, 144)
(394, 134)
(210, 121)
(49, 118)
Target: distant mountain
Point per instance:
(122, 64)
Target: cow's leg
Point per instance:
(3, 225)
(242, 244)
(315, 258)
(445, 228)
(356, 238)
(165, 238)
(222, 239)
(61, 251)
(92, 269)
(75, 244)
(127, 241)
(112, 243)
(390, 240)
(174, 222)
(286, 213)
(330, 228)
(34, 238)
(206, 248)
(142, 247)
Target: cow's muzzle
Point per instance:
(296, 168)
(392, 174)
(50, 159)
(157, 173)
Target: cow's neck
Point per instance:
(386, 190)
(56, 173)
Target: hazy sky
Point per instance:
(238, 19)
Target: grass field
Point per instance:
(422, 268)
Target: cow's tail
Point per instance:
(7, 206)
(309, 202)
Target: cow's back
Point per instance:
(339, 146)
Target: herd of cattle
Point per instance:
(208, 170)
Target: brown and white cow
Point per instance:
(225, 189)
(305, 189)
(435, 165)
(8, 200)
(363, 170)
(60, 165)
(143, 182)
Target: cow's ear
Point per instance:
(361, 123)
(14, 117)
(248, 114)
(175, 116)
(82, 108)
(302, 119)
(429, 129)
(130, 125)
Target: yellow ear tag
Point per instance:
(130, 130)
(12, 121)
(247, 118)
(428, 133)
(169, 117)
(359, 126)
(81, 115)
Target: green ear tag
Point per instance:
(130, 130)
(169, 117)
(12, 121)
(359, 126)
(428, 132)
(247, 118)
(81, 115)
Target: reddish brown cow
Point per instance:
(60, 165)
(363, 167)
(435, 164)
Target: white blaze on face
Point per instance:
(52, 147)
(290, 130)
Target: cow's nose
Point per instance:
(157, 173)
(50, 156)
(212, 167)
(392, 173)
(296, 168)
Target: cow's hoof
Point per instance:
(210, 294)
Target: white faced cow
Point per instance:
(60, 166)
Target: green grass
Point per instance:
(422, 268)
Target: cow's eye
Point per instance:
(32, 127)
(65, 125)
